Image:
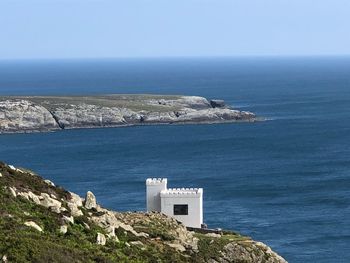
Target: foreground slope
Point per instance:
(40, 222)
(45, 113)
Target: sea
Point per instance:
(284, 181)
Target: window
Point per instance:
(180, 209)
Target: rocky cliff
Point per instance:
(28, 114)
(41, 222)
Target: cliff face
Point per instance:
(24, 114)
(40, 222)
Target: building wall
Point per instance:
(195, 208)
(153, 188)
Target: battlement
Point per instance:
(184, 204)
(156, 181)
(182, 192)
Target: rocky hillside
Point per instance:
(41, 222)
(38, 113)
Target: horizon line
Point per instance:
(182, 57)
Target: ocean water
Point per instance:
(285, 181)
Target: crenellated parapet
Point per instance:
(156, 181)
(188, 192)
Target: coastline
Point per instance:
(42, 217)
(27, 114)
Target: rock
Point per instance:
(34, 198)
(26, 213)
(110, 231)
(85, 115)
(75, 211)
(101, 239)
(178, 247)
(23, 115)
(55, 209)
(49, 182)
(62, 209)
(4, 259)
(68, 219)
(0, 175)
(255, 252)
(63, 229)
(90, 200)
(213, 235)
(12, 167)
(76, 199)
(33, 225)
(13, 191)
(217, 103)
(86, 226)
(48, 201)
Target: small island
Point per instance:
(20, 114)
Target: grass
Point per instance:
(25, 244)
(209, 247)
(137, 102)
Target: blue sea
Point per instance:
(284, 181)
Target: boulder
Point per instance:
(101, 239)
(49, 182)
(33, 225)
(34, 198)
(217, 103)
(68, 219)
(75, 211)
(90, 200)
(48, 201)
(75, 199)
(55, 209)
(63, 229)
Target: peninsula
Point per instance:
(48, 113)
(41, 222)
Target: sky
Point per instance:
(36, 29)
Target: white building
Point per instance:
(184, 204)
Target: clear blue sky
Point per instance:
(156, 28)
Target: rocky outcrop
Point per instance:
(249, 251)
(84, 115)
(99, 234)
(25, 114)
(217, 103)
(90, 200)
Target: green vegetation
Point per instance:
(209, 247)
(24, 244)
(137, 102)
(21, 243)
